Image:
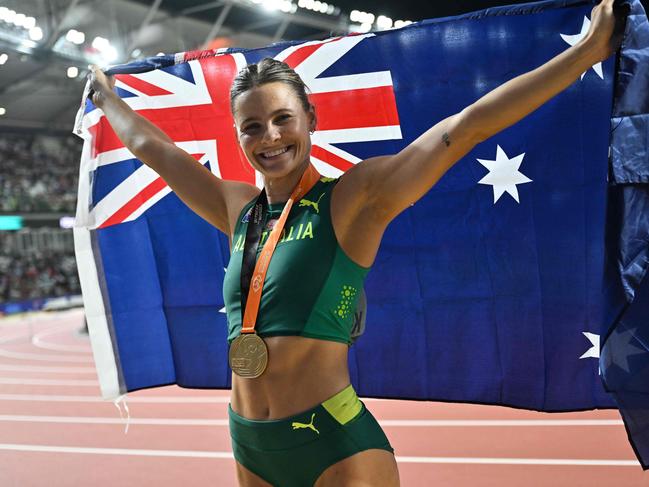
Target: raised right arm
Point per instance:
(214, 199)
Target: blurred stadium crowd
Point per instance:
(38, 174)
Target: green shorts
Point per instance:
(293, 452)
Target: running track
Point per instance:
(56, 431)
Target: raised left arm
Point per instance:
(390, 184)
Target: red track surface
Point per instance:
(56, 431)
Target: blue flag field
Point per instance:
(509, 283)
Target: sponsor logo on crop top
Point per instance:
(312, 204)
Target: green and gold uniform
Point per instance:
(311, 289)
(311, 286)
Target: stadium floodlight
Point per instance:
(75, 37)
(29, 23)
(383, 22)
(100, 43)
(2, 111)
(272, 5)
(361, 17)
(73, 72)
(66, 222)
(111, 54)
(19, 20)
(35, 33)
(4, 57)
(10, 16)
(3, 13)
(402, 23)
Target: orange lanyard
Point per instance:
(308, 180)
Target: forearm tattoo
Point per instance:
(446, 139)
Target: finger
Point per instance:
(621, 11)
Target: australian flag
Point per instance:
(509, 283)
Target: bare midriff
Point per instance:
(301, 373)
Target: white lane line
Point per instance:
(224, 422)
(228, 455)
(385, 422)
(44, 358)
(99, 420)
(144, 399)
(48, 369)
(118, 451)
(39, 356)
(499, 422)
(49, 382)
(522, 461)
(38, 340)
(37, 318)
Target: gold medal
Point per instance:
(248, 356)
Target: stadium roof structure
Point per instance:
(47, 45)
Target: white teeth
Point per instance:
(275, 153)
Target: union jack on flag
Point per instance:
(497, 287)
(189, 100)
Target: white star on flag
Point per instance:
(620, 349)
(592, 352)
(575, 38)
(504, 174)
(222, 310)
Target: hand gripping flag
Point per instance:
(497, 287)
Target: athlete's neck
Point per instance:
(278, 190)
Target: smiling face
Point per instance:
(273, 129)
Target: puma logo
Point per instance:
(297, 426)
(305, 202)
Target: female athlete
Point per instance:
(295, 420)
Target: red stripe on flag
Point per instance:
(330, 158)
(368, 107)
(296, 57)
(179, 123)
(142, 86)
(135, 203)
(139, 199)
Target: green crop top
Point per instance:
(311, 286)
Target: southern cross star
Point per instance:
(619, 347)
(592, 352)
(575, 38)
(504, 174)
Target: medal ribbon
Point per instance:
(250, 299)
